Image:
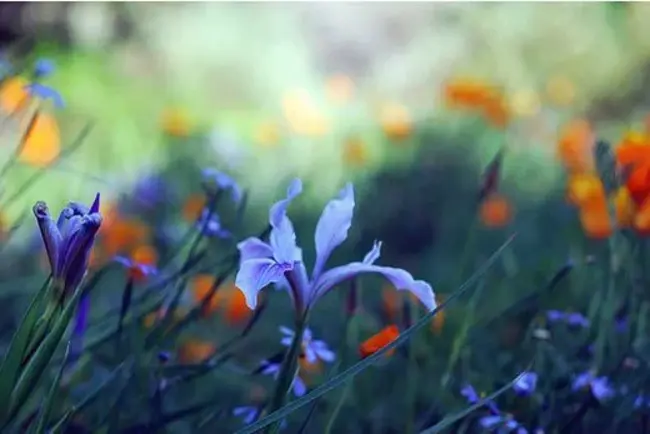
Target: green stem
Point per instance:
(411, 376)
(287, 372)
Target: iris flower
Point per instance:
(314, 349)
(600, 387)
(526, 383)
(280, 260)
(210, 224)
(214, 178)
(68, 241)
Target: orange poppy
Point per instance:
(396, 121)
(642, 219)
(633, 149)
(193, 207)
(236, 310)
(123, 235)
(378, 341)
(176, 123)
(575, 146)
(625, 207)
(201, 287)
(583, 188)
(496, 112)
(355, 152)
(495, 211)
(595, 220)
(195, 351)
(468, 93)
(42, 141)
(638, 183)
(13, 94)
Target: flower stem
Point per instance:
(287, 373)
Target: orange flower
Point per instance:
(302, 115)
(123, 235)
(142, 257)
(495, 211)
(468, 93)
(339, 88)
(595, 220)
(642, 219)
(625, 208)
(236, 309)
(193, 207)
(633, 149)
(355, 152)
(195, 351)
(378, 341)
(201, 287)
(176, 123)
(584, 188)
(575, 146)
(638, 183)
(396, 121)
(42, 141)
(13, 95)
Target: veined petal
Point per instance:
(283, 236)
(401, 280)
(254, 248)
(333, 226)
(255, 274)
(278, 211)
(50, 233)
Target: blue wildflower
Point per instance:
(281, 260)
(137, 271)
(313, 349)
(502, 424)
(298, 386)
(572, 319)
(600, 387)
(249, 414)
(150, 190)
(472, 397)
(45, 92)
(210, 223)
(68, 241)
(43, 67)
(526, 383)
(213, 178)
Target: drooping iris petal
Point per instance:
(322, 351)
(401, 280)
(333, 226)
(283, 236)
(255, 274)
(254, 248)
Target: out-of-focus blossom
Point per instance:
(298, 386)
(213, 178)
(575, 146)
(378, 341)
(585, 189)
(202, 286)
(355, 152)
(123, 234)
(235, 308)
(495, 211)
(45, 93)
(525, 103)
(479, 95)
(193, 207)
(526, 383)
(302, 114)
(14, 95)
(625, 209)
(560, 90)
(314, 350)
(396, 121)
(150, 190)
(141, 264)
(150, 319)
(227, 299)
(280, 260)
(41, 144)
(502, 423)
(600, 387)
(68, 241)
(573, 319)
(44, 67)
(438, 321)
(248, 414)
(210, 224)
(195, 351)
(472, 397)
(228, 148)
(176, 123)
(267, 134)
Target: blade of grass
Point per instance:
(46, 410)
(357, 368)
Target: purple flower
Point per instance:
(150, 190)
(314, 350)
(280, 260)
(136, 270)
(298, 386)
(526, 383)
(572, 319)
(502, 424)
(210, 223)
(214, 178)
(472, 397)
(600, 387)
(248, 413)
(43, 67)
(45, 92)
(68, 241)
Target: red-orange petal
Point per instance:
(378, 341)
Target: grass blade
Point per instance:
(46, 410)
(357, 368)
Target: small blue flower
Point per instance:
(298, 386)
(137, 271)
(280, 260)
(469, 393)
(211, 225)
(314, 350)
(215, 178)
(43, 67)
(248, 413)
(150, 190)
(45, 92)
(68, 241)
(572, 319)
(525, 383)
(600, 387)
(502, 424)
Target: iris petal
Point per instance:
(255, 274)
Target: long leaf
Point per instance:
(357, 368)
(43, 355)
(10, 368)
(46, 410)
